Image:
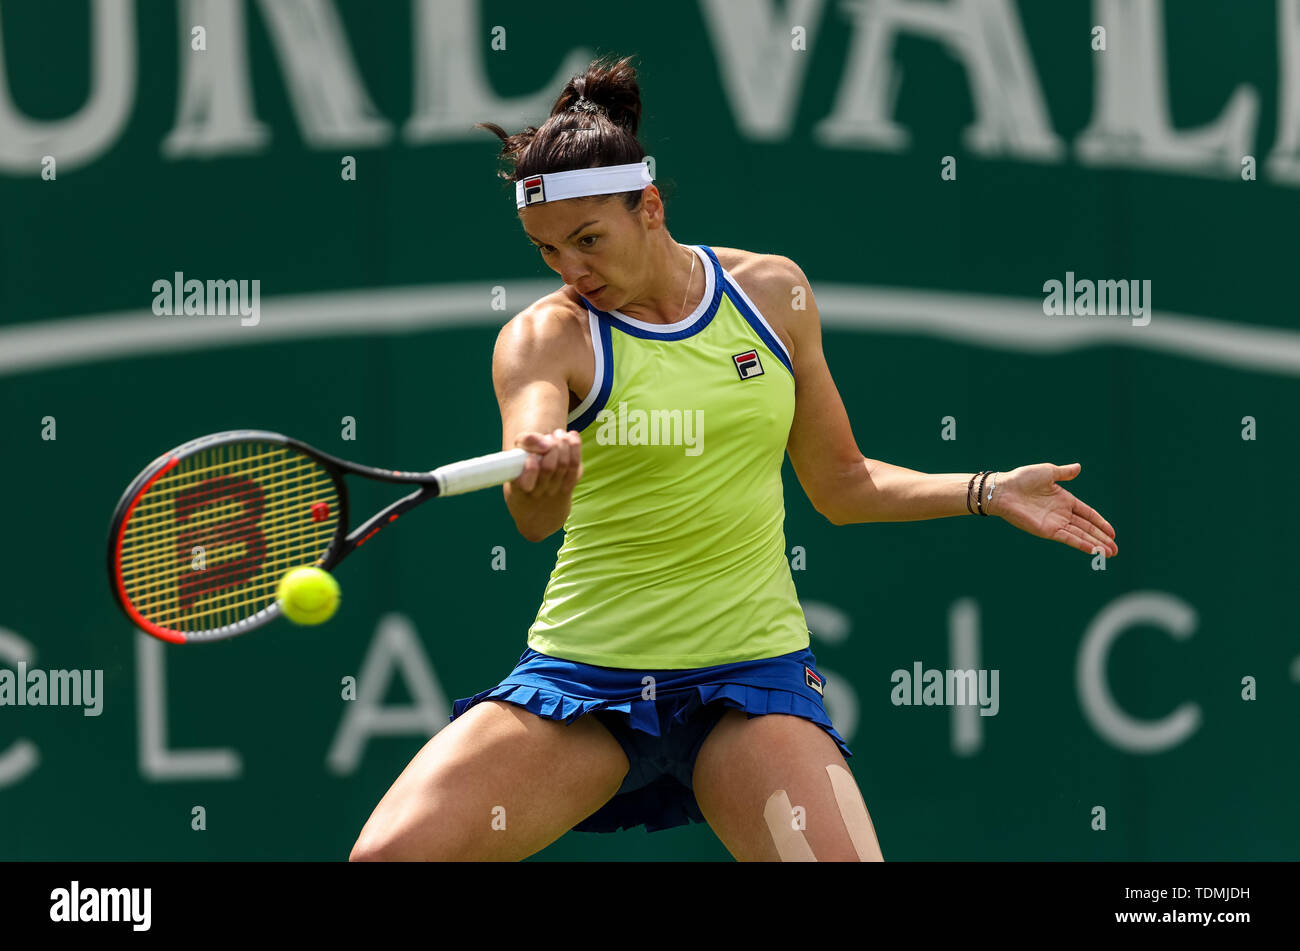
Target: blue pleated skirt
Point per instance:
(661, 735)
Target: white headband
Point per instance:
(606, 180)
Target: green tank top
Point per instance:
(674, 548)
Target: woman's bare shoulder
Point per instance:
(756, 268)
(558, 317)
(770, 281)
(550, 336)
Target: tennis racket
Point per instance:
(201, 538)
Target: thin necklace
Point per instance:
(688, 283)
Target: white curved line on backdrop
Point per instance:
(1005, 323)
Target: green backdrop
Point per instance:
(377, 304)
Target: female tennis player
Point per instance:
(668, 677)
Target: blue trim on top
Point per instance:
(607, 378)
(701, 322)
(751, 318)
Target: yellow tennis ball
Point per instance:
(308, 595)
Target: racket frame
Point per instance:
(341, 545)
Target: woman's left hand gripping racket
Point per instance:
(202, 537)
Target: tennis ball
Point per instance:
(308, 595)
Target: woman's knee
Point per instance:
(428, 835)
(504, 789)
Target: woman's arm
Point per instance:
(847, 487)
(530, 374)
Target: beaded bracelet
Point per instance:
(970, 485)
(992, 486)
(979, 499)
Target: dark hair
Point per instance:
(592, 124)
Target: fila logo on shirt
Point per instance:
(748, 364)
(534, 190)
(812, 680)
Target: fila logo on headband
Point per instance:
(748, 364)
(581, 182)
(534, 190)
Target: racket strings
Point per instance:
(250, 459)
(252, 511)
(308, 469)
(280, 522)
(228, 590)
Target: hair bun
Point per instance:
(583, 104)
(592, 124)
(607, 87)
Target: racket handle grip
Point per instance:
(481, 472)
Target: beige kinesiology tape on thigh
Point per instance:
(787, 828)
(854, 812)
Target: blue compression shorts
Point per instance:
(661, 737)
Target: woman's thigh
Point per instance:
(497, 783)
(777, 788)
